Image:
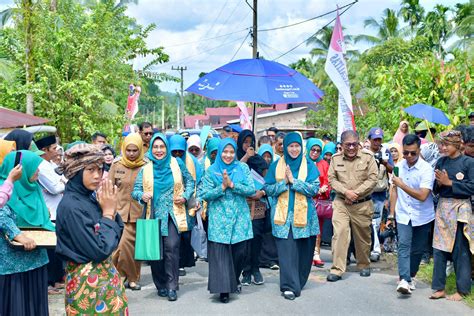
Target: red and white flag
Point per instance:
(244, 116)
(132, 101)
(336, 69)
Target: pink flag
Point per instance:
(132, 101)
(244, 116)
(337, 71)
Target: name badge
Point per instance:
(459, 176)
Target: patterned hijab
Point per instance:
(132, 139)
(78, 157)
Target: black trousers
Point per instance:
(186, 251)
(254, 246)
(165, 272)
(461, 257)
(225, 266)
(55, 268)
(296, 256)
(268, 252)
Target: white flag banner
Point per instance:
(336, 69)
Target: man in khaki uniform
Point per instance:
(353, 175)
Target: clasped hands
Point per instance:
(107, 198)
(442, 178)
(350, 197)
(226, 182)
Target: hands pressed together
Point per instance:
(226, 182)
(107, 198)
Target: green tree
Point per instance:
(83, 65)
(387, 27)
(322, 40)
(437, 28)
(464, 26)
(412, 12)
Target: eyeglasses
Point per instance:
(409, 153)
(316, 150)
(349, 145)
(148, 133)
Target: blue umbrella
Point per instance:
(428, 113)
(258, 81)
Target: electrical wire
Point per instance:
(198, 54)
(207, 39)
(311, 19)
(241, 44)
(327, 24)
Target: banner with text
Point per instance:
(336, 69)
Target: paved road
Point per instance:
(353, 295)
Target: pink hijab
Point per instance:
(398, 138)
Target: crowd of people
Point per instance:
(263, 202)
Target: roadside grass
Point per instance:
(425, 274)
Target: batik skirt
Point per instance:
(94, 288)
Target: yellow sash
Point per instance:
(178, 190)
(192, 170)
(207, 164)
(300, 213)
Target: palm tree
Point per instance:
(412, 12)
(437, 28)
(388, 27)
(321, 41)
(464, 26)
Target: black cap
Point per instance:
(471, 115)
(45, 141)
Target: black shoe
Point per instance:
(274, 266)
(136, 287)
(333, 277)
(224, 297)
(289, 295)
(246, 279)
(374, 257)
(239, 289)
(258, 278)
(162, 292)
(365, 272)
(172, 295)
(182, 272)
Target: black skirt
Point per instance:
(226, 263)
(24, 293)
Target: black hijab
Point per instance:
(240, 142)
(256, 162)
(21, 137)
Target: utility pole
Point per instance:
(181, 69)
(163, 114)
(254, 31)
(254, 55)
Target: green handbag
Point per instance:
(148, 238)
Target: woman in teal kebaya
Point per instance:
(225, 186)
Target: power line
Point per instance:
(200, 53)
(207, 39)
(314, 33)
(311, 19)
(241, 44)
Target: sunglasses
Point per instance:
(349, 145)
(148, 133)
(317, 150)
(409, 153)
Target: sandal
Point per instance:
(435, 296)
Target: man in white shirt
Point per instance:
(51, 182)
(412, 203)
(52, 186)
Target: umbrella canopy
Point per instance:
(427, 112)
(258, 81)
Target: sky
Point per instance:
(205, 34)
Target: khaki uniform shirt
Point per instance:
(124, 179)
(359, 174)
